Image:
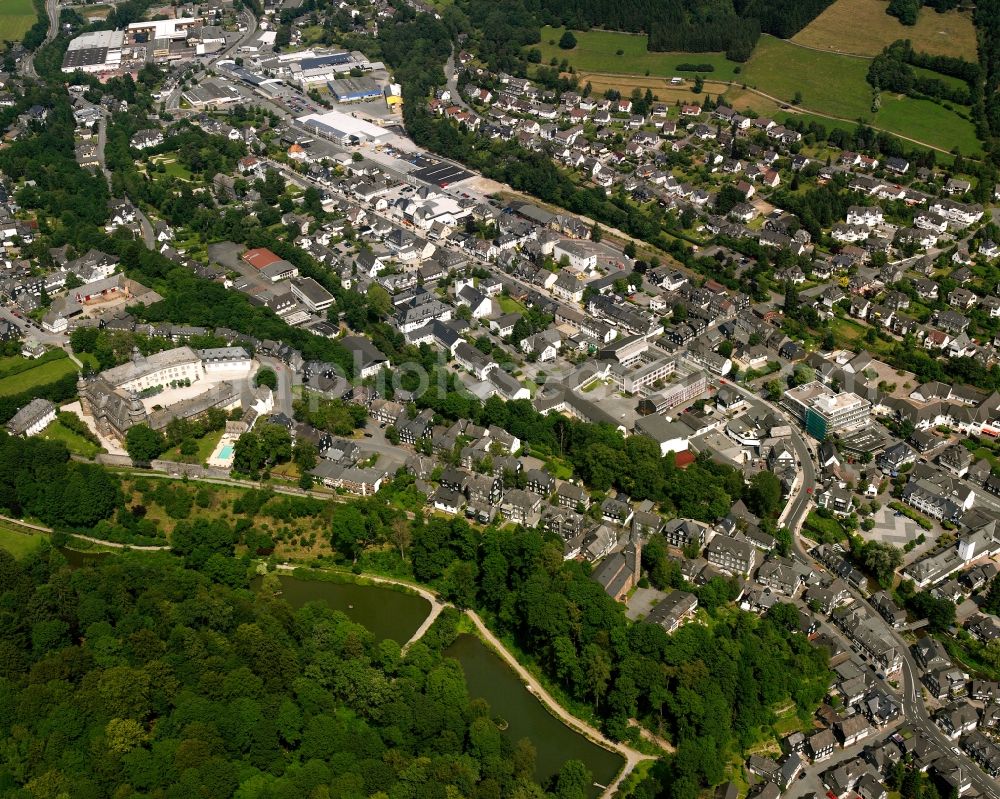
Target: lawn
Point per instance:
(846, 331)
(510, 305)
(16, 17)
(74, 442)
(206, 445)
(868, 29)
(558, 468)
(172, 168)
(89, 360)
(44, 373)
(597, 51)
(19, 544)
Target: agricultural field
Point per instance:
(597, 51)
(600, 82)
(45, 372)
(836, 84)
(928, 122)
(828, 83)
(862, 27)
(16, 17)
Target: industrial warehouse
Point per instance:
(355, 90)
(343, 128)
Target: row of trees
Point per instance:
(891, 70)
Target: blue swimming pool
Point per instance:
(226, 452)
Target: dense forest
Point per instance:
(38, 480)
(137, 677)
(692, 25)
(987, 18)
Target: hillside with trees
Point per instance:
(710, 688)
(136, 677)
(732, 26)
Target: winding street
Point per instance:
(28, 63)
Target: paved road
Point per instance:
(451, 76)
(28, 63)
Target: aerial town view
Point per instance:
(500, 399)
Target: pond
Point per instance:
(386, 612)
(489, 678)
(77, 558)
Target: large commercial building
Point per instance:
(211, 94)
(98, 51)
(343, 128)
(355, 90)
(822, 412)
(169, 29)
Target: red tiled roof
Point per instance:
(260, 257)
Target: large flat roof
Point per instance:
(347, 124)
(107, 39)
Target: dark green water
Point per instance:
(384, 611)
(489, 677)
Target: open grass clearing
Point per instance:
(16, 17)
(18, 544)
(47, 372)
(947, 80)
(862, 27)
(98, 11)
(597, 51)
